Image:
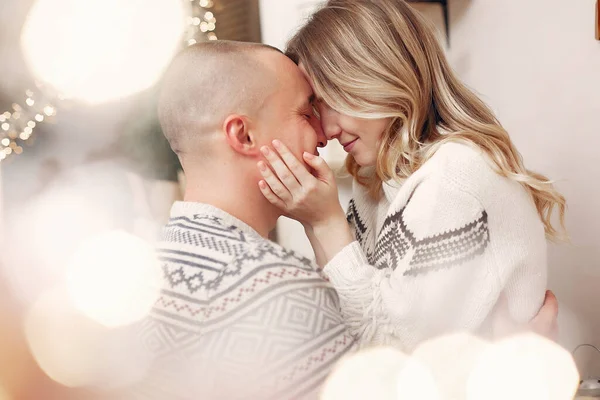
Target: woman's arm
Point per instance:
(434, 270)
(310, 198)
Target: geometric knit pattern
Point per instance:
(238, 316)
(363, 232)
(443, 250)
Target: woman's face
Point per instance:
(359, 137)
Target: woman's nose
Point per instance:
(329, 122)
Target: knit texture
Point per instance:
(238, 316)
(435, 253)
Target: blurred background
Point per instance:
(87, 178)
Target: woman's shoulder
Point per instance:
(468, 168)
(456, 156)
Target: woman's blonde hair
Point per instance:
(381, 59)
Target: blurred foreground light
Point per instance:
(451, 359)
(101, 50)
(524, 367)
(78, 352)
(44, 234)
(3, 394)
(368, 374)
(114, 278)
(415, 381)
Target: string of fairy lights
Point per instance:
(18, 124)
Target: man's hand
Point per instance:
(545, 323)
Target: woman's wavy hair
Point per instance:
(381, 59)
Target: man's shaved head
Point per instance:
(207, 82)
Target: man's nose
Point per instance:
(321, 138)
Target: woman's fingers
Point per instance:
(282, 171)
(269, 195)
(295, 166)
(274, 183)
(322, 170)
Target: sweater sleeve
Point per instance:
(434, 270)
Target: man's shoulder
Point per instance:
(205, 260)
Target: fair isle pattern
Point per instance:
(360, 229)
(197, 271)
(238, 308)
(443, 250)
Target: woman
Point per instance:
(444, 218)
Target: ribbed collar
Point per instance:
(192, 210)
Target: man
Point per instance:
(239, 316)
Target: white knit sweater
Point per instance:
(238, 317)
(435, 253)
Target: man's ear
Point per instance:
(239, 135)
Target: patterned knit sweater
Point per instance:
(239, 316)
(435, 253)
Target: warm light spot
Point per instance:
(76, 351)
(114, 278)
(523, 367)
(101, 50)
(61, 341)
(3, 394)
(451, 359)
(368, 374)
(415, 381)
(45, 233)
(49, 111)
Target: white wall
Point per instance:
(537, 64)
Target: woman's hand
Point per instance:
(311, 198)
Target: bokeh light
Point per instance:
(415, 381)
(43, 235)
(451, 359)
(114, 278)
(3, 393)
(78, 352)
(368, 374)
(100, 50)
(524, 367)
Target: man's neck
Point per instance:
(238, 198)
